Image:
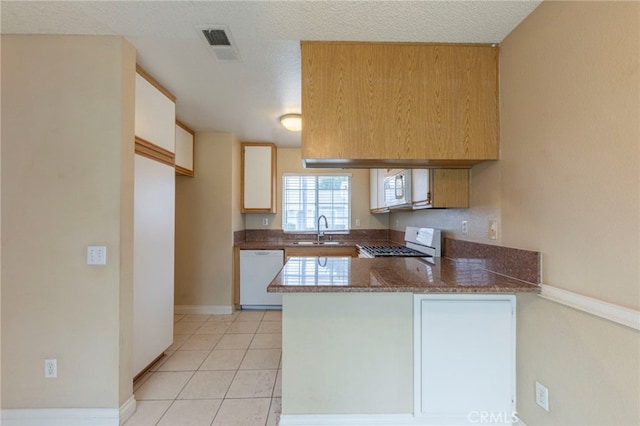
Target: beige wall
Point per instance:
(485, 202)
(67, 182)
(290, 161)
(207, 212)
(570, 116)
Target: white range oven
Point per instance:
(419, 242)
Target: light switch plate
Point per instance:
(542, 396)
(96, 255)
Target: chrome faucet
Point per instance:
(326, 225)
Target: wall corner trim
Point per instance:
(610, 311)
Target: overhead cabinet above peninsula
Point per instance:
(400, 104)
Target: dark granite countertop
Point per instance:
(393, 274)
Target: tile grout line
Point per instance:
(236, 320)
(185, 384)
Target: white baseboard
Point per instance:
(391, 420)
(68, 416)
(61, 417)
(347, 419)
(127, 409)
(520, 423)
(203, 309)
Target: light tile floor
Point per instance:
(222, 370)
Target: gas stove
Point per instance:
(390, 251)
(420, 242)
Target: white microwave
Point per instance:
(397, 188)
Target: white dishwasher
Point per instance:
(257, 269)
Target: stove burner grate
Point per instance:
(391, 251)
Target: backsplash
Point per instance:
(239, 236)
(396, 236)
(276, 235)
(520, 264)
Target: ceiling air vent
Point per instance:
(216, 37)
(219, 42)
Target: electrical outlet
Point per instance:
(358, 223)
(265, 221)
(493, 229)
(50, 368)
(465, 227)
(542, 396)
(96, 255)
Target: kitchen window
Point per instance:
(306, 197)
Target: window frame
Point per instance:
(317, 175)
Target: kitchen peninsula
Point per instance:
(361, 343)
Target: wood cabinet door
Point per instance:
(450, 188)
(401, 101)
(320, 251)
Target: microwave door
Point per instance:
(395, 190)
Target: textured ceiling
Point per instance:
(247, 97)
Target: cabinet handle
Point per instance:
(399, 186)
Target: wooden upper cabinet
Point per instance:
(415, 103)
(439, 188)
(258, 177)
(184, 150)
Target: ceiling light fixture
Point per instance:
(292, 122)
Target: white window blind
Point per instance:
(306, 197)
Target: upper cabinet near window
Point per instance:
(184, 150)
(417, 104)
(258, 177)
